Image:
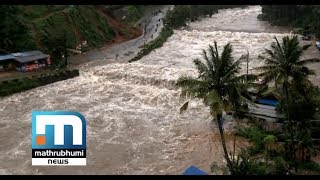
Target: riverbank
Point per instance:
(123, 52)
(9, 87)
(176, 18)
(132, 109)
(28, 80)
(305, 18)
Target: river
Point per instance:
(132, 109)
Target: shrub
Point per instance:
(19, 85)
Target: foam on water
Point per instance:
(132, 110)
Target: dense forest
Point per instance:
(53, 28)
(300, 16)
(182, 14)
(288, 147)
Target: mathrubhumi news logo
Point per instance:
(58, 138)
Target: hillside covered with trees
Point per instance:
(53, 28)
(300, 16)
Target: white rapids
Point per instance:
(132, 109)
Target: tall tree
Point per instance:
(219, 85)
(59, 39)
(285, 68)
(14, 35)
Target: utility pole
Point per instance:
(247, 62)
(145, 28)
(65, 48)
(247, 65)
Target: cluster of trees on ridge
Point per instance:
(223, 89)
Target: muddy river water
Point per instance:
(132, 109)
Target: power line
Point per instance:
(4, 51)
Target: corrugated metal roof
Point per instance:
(264, 110)
(6, 57)
(24, 57)
(270, 102)
(27, 53)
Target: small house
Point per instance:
(24, 61)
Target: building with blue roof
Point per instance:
(24, 61)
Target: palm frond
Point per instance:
(279, 48)
(302, 71)
(187, 82)
(261, 57)
(305, 47)
(218, 84)
(272, 90)
(245, 78)
(274, 62)
(192, 88)
(265, 68)
(184, 107)
(214, 57)
(208, 61)
(244, 57)
(226, 55)
(283, 63)
(213, 97)
(216, 49)
(307, 61)
(281, 78)
(268, 76)
(201, 67)
(270, 53)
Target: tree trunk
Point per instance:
(65, 51)
(223, 141)
(292, 151)
(66, 57)
(247, 66)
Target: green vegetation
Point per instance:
(71, 26)
(68, 28)
(265, 155)
(256, 136)
(158, 42)
(134, 13)
(182, 14)
(177, 18)
(280, 151)
(294, 145)
(56, 28)
(52, 28)
(285, 67)
(300, 16)
(218, 84)
(14, 32)
(220, 87)
(23, 84)
(17, 85)
(269, 148)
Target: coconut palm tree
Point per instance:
(285, 67)
(218, 84)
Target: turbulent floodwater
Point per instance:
(132, 110)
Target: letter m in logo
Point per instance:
(51, 129)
